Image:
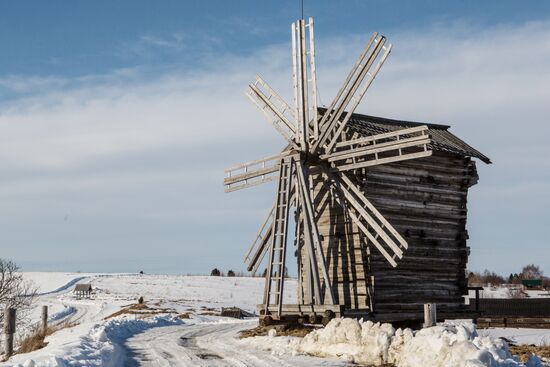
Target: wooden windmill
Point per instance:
(317, 175)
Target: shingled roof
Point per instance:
(442, 138)
(83, 287)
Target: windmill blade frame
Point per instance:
(253, 172)
(257, 250)
(335, 119)
(383, 148)
(274, 115)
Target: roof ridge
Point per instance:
(390, 121)
(442, 138)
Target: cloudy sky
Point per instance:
(118, 118)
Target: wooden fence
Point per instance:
(524, 313)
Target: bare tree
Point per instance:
(531, 271)
(487, 277)
(15, 291)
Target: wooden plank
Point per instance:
(250, 184)
(391, 134)
(381, 161)
(313, 79)
(414, 141)
(310, 217)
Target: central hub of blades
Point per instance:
(309, 158)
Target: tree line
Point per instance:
(530, 271)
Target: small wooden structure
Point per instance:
(368, 194)
(235, 312)
(83, 290)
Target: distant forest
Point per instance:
(530, 271)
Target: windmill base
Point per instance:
(322, 314)
(305, 314)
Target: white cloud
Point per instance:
(131, 147)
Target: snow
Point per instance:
(157, 339)
(359, 342)
(102, 345)
(66, 311)
(190, 291)
(504, 291)
(51, 282)
(365, 342)
(538, 337)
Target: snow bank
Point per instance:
(66, 311)
(365, 342)
(102, 345)
(455, 345)
(351, 340)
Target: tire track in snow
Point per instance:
(206, 344)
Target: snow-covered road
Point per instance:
(206, 344)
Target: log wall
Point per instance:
(425, 200)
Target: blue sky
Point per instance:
(117, 119)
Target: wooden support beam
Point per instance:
(312, 285)
(309, 212)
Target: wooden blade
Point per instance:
(340, 94)
(309, 214)
(304, 83)
(253, 173)
(257, 250)
(379, 221)
(369, 220)
(313, 81)
(384, 148)
(301, 88)
(259, 247)
(274, 108)
(335, 119)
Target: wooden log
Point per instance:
(430, 314)
(44, 319)
(425, 201)
(9, 330)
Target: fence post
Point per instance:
(9, 330)
(44, 319)
(430, 314)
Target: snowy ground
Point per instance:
(208, 340)
(538, 337)
(505, 291)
